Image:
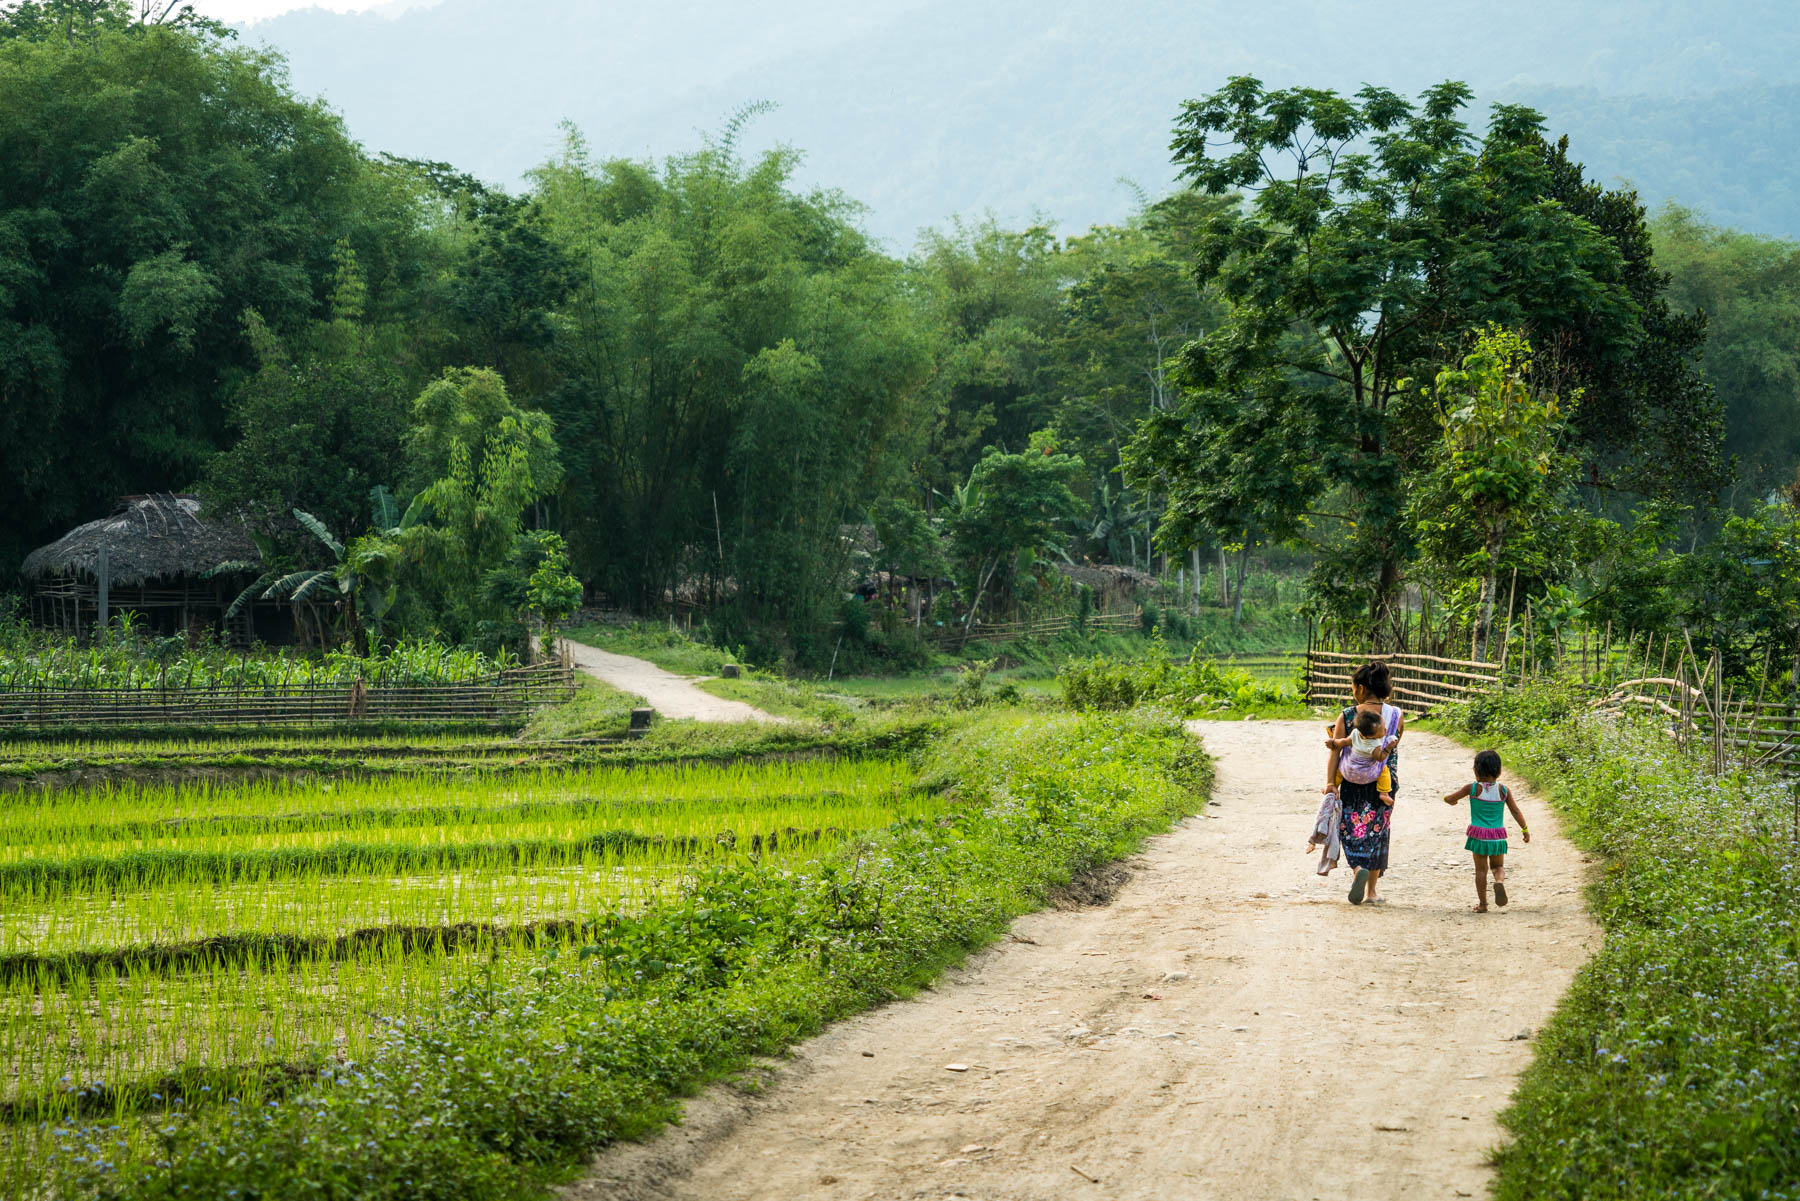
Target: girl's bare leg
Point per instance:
(1498, 863)
(1481, 877)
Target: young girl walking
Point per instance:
(1488, 802)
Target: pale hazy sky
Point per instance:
(238, 12)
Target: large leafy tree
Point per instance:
(1489, 497)
(1377, 237)
(1650, 425)
(1014, 508)
(155, 183)
(738, 374)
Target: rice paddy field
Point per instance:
(206, 942)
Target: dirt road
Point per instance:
(672, 696)
(1227, 1028)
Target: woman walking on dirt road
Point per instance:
(1366, 819)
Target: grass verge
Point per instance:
(597, 710)
(539, 1060)
(666, 646)
(1672, 1067)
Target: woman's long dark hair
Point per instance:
(1372, 677)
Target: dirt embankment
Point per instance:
(1228, 1027)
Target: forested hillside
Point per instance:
(693, 381)
(924, 108)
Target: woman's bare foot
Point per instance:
(1479, 908)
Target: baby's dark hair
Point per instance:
(1368, 723)
(1487, 765)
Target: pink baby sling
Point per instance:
(1364, 769)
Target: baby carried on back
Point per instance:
(1362, 759)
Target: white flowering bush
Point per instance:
(1672, 1067)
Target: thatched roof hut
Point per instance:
(147, 538)
(1111, 583)
(151, 556)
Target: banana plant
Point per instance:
(298, 588)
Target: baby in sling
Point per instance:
(1362, 759)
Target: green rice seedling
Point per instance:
(56, 925)
(128, 1040)
(681, 830)
(34, 833)
(256, 745)
(221, 938)
(81, 809)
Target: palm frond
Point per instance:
(319, 531)
(230, 567)
(417, 513)
(320, 580)
(285, 587)
(247, 595)
(384, 510)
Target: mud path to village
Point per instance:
(673, 697)
(1228, 1027)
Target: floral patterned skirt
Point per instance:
(1363, 828)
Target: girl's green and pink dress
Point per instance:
(1487, 818)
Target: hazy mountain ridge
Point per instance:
(924, 108)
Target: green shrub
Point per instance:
(1100, 682)
(1516, 713)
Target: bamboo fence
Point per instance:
(1420, 682)
(507, 695)
(1661, 676)
(1698, 708)
(1037, 628)
(1262, 665)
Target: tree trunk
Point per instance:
(1387, 587)
(1237, 608)
(975, 608)
(1195, 553)
(1224, 580)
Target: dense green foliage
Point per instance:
(1198, 685)
(157, 184)
(31, 659)
(715, 373)
(1738, 594)
(1353, 271)
(1489, 499)
(538, 1058)
(1671, 1067)
(734, 377)
(452, 412)
(1749, 289)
